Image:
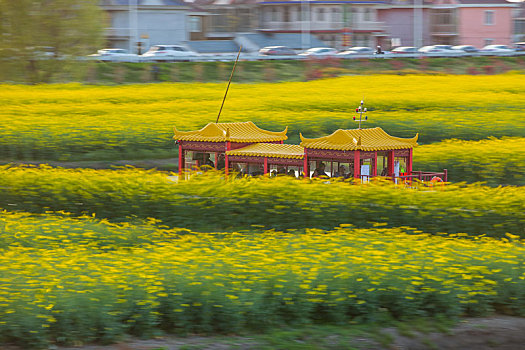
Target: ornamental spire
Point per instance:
(361, 109)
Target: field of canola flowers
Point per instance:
(70, 280)
(137, 253)
(69, 122)
(209, 203)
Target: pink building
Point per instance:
(485, 22)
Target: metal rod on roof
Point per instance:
(229, 82)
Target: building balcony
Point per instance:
(444, 29)
(299, 26)
(368, 26)
(321, 26)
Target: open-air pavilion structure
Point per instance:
(247, 149)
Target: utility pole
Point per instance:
(418, 23)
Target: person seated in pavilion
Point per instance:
(319, 171)
(221, 164)
(341, 172)
(207, 161)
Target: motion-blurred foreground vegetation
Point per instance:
(72, 281)
(141, 253)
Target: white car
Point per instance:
(466, 48)
(169, 53)
(319, 52)
(114, 55)
(440, 50)
(498, 49)
(357, 50)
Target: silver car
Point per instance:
(159, 53)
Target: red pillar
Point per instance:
(265, 165)
(409, 162)
(357, 164)
(374, 165)
(306, 171)
(391, 163)
(181, 159)
(226, 160)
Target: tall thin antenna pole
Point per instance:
(229, 81)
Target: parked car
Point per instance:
(519, 46)
(276, 51)
(443, 47)
(319, 52)
(114, 55)
(168, 53)
(404, 50)
(497, 49)
(466, 48)
(440, 51)
(357, 50)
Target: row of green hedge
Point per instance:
(208, 202)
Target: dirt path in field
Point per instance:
(490, 333)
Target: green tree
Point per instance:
(44, 37)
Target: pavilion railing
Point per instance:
(420, 176)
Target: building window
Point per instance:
(367, 15)
(320, 15)
(195, 24)
(489, 17)
(489, 41)
(274, 14)
(336, 15)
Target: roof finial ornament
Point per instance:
(361, 109)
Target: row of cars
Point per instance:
(159, 53)
(431, 50)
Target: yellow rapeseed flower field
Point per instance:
(86, 279)
(208, 202)
(493, 161)
(90, 122)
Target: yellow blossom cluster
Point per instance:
(89, 122)
(86, 277)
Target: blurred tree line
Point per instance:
(43, 37)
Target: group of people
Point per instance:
(341, 172)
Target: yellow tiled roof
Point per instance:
(375, 139)
(234, 132)
(276, 150)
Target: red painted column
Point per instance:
(357, 164)
(216, 159)
(181, 159)
(391, 163)
(409, 162)
(306, 171)
(374, 165)
(265, 165)
(226, 160)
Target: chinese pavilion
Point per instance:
(209, 145)
(245, 148)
